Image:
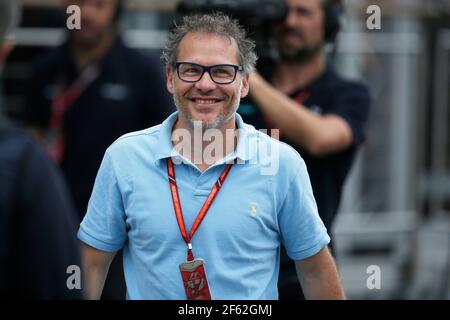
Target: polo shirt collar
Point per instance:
(245, 149)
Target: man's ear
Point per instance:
(169, 79)
(245, 84)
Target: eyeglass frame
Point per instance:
(208, 69)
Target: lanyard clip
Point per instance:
(190, 255)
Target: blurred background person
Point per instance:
(37, 219)
(89, 91)
(85, 94)
(320, 114)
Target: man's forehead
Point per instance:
(208, 43)
(208, 36)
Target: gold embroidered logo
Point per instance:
(253, 209)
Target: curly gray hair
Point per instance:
(215, 23)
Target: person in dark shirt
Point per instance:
(320, 114)
(88, 92)
(37, 218)
(91, 90)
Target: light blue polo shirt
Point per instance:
(239, 239)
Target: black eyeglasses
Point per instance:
(219, 73)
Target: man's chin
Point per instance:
(299, 56)
(86, 40)
(206, 124)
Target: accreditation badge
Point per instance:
(194, 280)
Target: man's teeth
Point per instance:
(203, 101)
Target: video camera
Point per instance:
(256, 16)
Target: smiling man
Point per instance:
(199, 229)
(214, 103)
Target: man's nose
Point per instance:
(87, 10)
(206, 82)
(290, 19)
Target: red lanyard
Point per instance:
(300, 98)
(177, 204)
(61, 103)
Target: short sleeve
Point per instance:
(104, 225)
(302, 231)
(352, 103)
